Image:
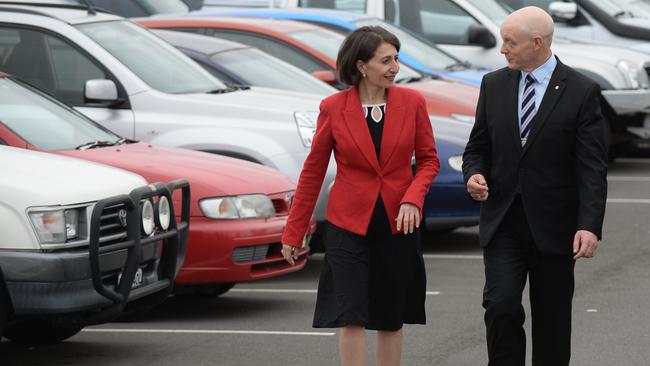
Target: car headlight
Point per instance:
(163, 213)
(148, 222)
(456, 162)
(306, 122)
(56, 226)
(463, 117)
(238, 207)
(636, 76)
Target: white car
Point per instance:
(133, 83)
(81, 241)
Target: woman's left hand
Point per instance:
(290, 253)
(408, 218)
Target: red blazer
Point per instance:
(360, 177)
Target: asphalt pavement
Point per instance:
(269, 322)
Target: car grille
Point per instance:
(250, 254)
(112, 230)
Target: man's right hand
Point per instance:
(477, 187)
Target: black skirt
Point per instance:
(377, 281)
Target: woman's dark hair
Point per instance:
(361, 45)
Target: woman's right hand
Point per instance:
(290, 253)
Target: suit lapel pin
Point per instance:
(557, 87)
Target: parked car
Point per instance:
(624, 23)
(417, 53)
(238, 209)
(239, 64)
(81, 242)
(145, 89)
(314, 49)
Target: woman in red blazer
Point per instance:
(373, 273)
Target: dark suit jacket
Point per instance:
(561, 171)
(360, 176)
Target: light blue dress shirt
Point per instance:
(543, 76)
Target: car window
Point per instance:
(419, 50)
(154, 61)
(125, 8)
(43, 121)
(444, 22)
(357, 6)
(259, 69)
(283, 51)
(48, 63)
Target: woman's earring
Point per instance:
(364, 75)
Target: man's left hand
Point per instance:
(585, 244)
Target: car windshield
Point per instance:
(494, 10)
(421, 51)
(260, 69)
(328, 43)
(625, 8)
(44, 122)
(157, 63)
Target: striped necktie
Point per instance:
(527, 108)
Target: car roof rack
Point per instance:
(79, 4)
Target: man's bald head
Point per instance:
(532, 21)
(527, 35)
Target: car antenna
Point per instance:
(90, 6)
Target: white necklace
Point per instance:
(376, 113)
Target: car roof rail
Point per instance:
(79, 4)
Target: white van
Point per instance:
(81, 242)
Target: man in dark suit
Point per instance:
(537, 161)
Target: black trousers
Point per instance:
(509, 258)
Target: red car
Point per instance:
(238, 209)
(313, 49)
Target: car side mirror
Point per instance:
(479, 35)
(326, 76)
(563, 12)
(101, 91)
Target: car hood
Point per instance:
(31, 178)
(445, 97)
(262, 99)
(470, 76)
(209, 175)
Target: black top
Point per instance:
(375, 119)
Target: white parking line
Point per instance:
(293, 291)
(207, 331)
(628, 200)
(624, 178)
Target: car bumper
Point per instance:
(628, 101)
(448, 206)
(222, 251)
(55, 283)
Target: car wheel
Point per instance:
(203, 290)
(39, 331)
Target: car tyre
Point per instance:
(39, 331)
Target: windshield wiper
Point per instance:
(457, 66)
(96, 143)
(409, 79)
(230, 88)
